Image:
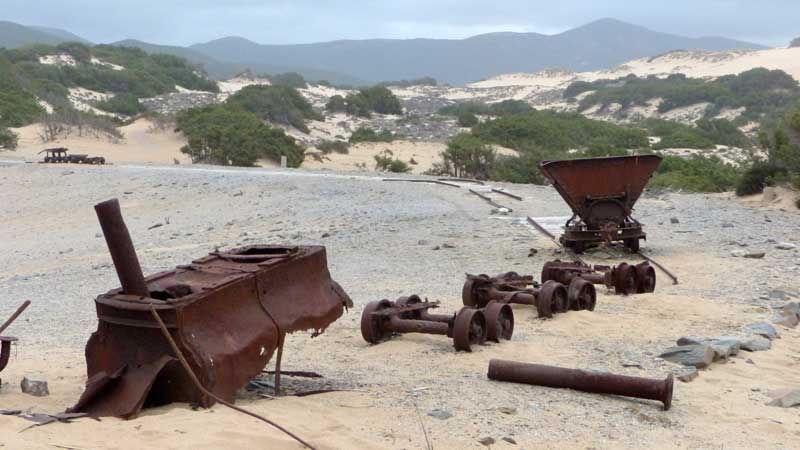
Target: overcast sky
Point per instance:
(183, 22)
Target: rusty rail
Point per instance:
(422, 180)
(14, 316)
(580, 380)
(507, 194)
(490, 201)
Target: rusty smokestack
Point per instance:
(121, 248)
(580, 380)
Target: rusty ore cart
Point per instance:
(61, 155)
(601, 193)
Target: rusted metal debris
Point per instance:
(624, 278)
(6, 341)
(549, 298)
(228, 312)
(488, 200)
(581, 380)
(601, 193)
(469, 326)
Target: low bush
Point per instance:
(758, 176)
(365, 134)
(467, 120)
(327, 147)
(378, 99)
(125, 104)
(467, 156)
(386, 162)
(697, 174)
(277, 104)
(8, 139)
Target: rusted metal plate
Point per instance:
(228, 313)
(581, 182)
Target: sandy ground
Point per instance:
(381, 240)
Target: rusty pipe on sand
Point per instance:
(581, 380)
(120, 245)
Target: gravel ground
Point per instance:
(382, 241)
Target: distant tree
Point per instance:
(277, 104)
(232, 136)
(468, 156)
(381, 100)
(795, 42)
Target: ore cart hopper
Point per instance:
(601, 193)
(228, 313)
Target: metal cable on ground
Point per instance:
(202, 389)
(14, 316)
(657, 264)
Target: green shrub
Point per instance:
(230, 136)
(377, 99)
(557, 131)
(327, 147)
(467, 120)
(125, 104)
(365, 134)
(8, 139)
(385, 162)
(758, 176)
(504, 108)
(697, 174)
(277, 104)
(289, 79)
(467, 156)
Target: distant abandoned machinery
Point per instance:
(60, 155)
(581, 380)
(601, 193)
(468, 327)
(227, 312)
(549, 298)
(6, 341)
(624, 278)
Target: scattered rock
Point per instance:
(487, 441)
(325, 235)
(34, 387)
(674, 220)
(238, 194)
(777, 294)
(756, 344)
(738, 253)
(754, 255)
(532, 252)
(437, 248)
(155, 226)
(788, 400)
(501, 211)
(727, 225)
(510, 440)
(441, 414)
(785, 246)
(422, 242)
(786, 318)
(725, 347)
(690, 340)
(448, 245)
(507, 410)
(700, 356)
(687, 374)
(67, 172)
(763, 329)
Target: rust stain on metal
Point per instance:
(6, 341)
(601, 193)
(227, 312)
(581, 380)
(381, 319)
(549, 298)
(624, 278)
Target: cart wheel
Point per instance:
(407, 301)
(646, 276)
(469, 328)
(552, 298)
(625, 282)
(499, 321)
(632, 245)
(470, 295)
(372, 325)
(582, 295)
(508, 275)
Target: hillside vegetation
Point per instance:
(128, 72)
(762, 92)
(377, 99)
